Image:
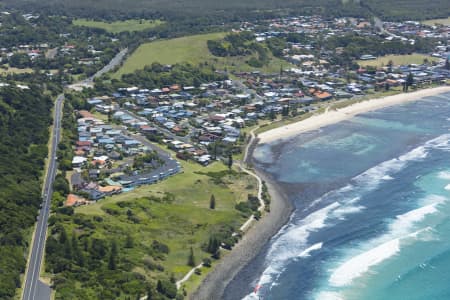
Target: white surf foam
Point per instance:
(386, 246)
(329, 296)
(315, 247)
(341, 212)
(343, 202)
(444, 175)
(360, 264)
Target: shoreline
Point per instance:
(331, 117)
(215, 283)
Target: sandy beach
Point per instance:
(215, 282)
(335, 116)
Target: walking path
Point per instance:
(250, 220)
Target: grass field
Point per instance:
(10, 70)
(433, 22)
(119, 26)
(185, 222)
(192, 49)
(397, 59)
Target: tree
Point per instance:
(149, 294)
(212, 202)
(213, 245)
(62, 235)
(409, 81)
(129, 242)
(77, 253)
(390, 65)
(191, 258)
(207, 262)
(272, 115)
(113, 256)
(230, 161)
(285, 111)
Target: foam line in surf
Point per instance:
(339, 203)
(307, 252)
(385, 246)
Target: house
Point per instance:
(93, 194)
(367, 57)
(321, 95)
(110, 190)
(94, 173)
(76, 180)
(74, 200)
(78, 161)
(85, 114)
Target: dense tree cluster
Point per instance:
(241, 44)
(354, 46)
(408, 9)
(101, 265)
(44, 32)
(24, 121)
(157, 75)
(218, 12)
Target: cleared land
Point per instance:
(182, 222)
(119, 26)
(433, 22)
(11, 70)
(397, 60)
(192, 49)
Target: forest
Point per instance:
(217, 12)
(157, 76)
(22, 157)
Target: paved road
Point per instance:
(167, 132)
(89, 82)
(34, 289)
(111, 65)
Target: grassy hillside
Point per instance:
(119, 26)
(192, 49)
(172, 223)
(185, 49)
(433, 22)
(176, 213)
(397, 60)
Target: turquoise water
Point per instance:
(372, 218)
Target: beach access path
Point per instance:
(251, 219)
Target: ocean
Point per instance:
(372, 210)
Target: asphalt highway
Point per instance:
(34, 289)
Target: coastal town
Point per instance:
(151, 185)
(210, 121)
